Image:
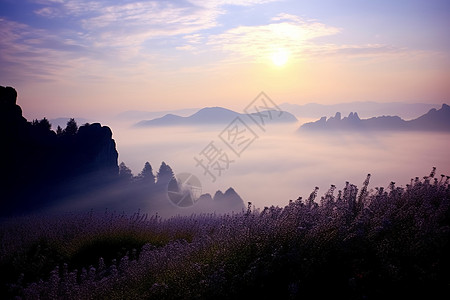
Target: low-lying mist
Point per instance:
(281, 164)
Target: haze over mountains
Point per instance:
(76, 168)
(148, 115)
(434, 120)
(192, 116)
(219, 115)
(364, 109)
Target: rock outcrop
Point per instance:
(434, 120)
(39, 165)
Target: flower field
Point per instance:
(355, 243)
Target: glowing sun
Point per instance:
(280, 57)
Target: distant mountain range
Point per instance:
(434, 120)
(364, 109)
(218, 115)
(133, 115)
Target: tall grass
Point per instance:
(388, 243)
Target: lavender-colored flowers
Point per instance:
(364, 244)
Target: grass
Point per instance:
(360, 244)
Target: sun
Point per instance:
(280, 57)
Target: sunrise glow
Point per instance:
(280, 57)
(224, 149)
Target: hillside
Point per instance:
(390, 243)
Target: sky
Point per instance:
(98, 58)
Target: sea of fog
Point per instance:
(281, 164)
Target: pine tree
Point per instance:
(71, 128)
(165, 174)
(125, 172)
(59, 131)
(146, 176)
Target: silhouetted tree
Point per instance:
(165, 174)
(71, 128)
(146, 176)
(59, 131)
(41, 129)
(125, 172)
(45, 124)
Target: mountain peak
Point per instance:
(214, 110)
(209, 108)
(230, 192)
(353, 116)
(216, 115)
(433, 120)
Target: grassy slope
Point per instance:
(356, 245)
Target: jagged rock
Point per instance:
(8, 96)
(69, 169)
(233, 199)
(100, 152)
(12, 123)
(40, 166)
(228, 201)
(205, 198)
(434, 120)
(218, 196)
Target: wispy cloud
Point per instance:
(132, 23)
(294, 34)
(126, 35)
(28, 52)
(366, 50)
(96, 32)
(285, 31)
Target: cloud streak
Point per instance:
(28, 52)
(295, 35)
(258, 42)
(193, 44)
(123, 35)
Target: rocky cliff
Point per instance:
(39, 165)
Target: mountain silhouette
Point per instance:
(76, 168)
(433, 120)
(136, 115)
(217, 115)
(221, 202)
(365, 109)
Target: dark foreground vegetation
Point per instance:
(351, 244)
